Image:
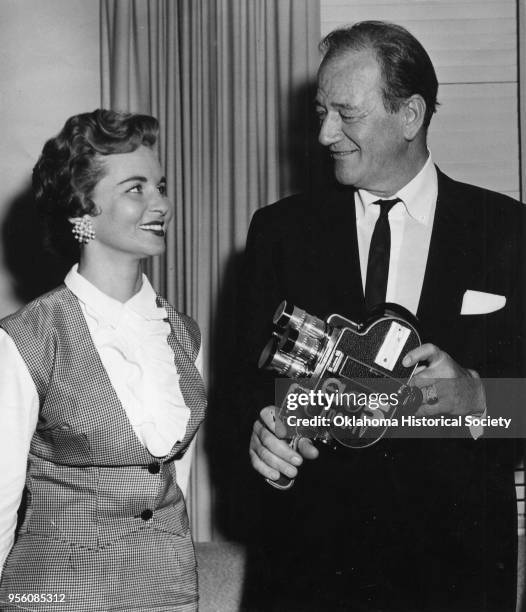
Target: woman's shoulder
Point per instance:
(42, 307)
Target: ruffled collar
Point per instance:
(143, 303)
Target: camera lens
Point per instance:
(285, 364)
(267, 354)
(300, 345)
(283, 314)
(290, 315)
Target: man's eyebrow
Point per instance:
(344, 106)
(338, 105)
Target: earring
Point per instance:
(83, 230)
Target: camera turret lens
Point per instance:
(288, 315)
(300, 345)
(272, 358)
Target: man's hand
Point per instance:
(459, 391)
(272, 456)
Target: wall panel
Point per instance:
(49, 70)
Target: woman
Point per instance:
(100, 391)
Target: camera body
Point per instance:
(349, 376)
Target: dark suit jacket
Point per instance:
(406, 524)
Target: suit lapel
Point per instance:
(338, 257)
(447, 262)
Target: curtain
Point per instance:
(231, 84)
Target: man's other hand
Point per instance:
(458, 391)
(270, 455)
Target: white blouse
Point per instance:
(131, 339)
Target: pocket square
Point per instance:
(479, 302)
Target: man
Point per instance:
(406, 524)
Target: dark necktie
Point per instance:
(379, 251)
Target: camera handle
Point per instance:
(410, 398)
(283, 483)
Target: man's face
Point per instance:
(366, 142)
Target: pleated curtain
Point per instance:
(231, 84)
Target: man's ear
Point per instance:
(413, 113)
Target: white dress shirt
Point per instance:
(411, 223)
(131, 340)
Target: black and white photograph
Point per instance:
(262, 305)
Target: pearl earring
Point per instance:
(83, 230)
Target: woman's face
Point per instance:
(133, 208)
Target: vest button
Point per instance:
(154, 468)
(146, 515)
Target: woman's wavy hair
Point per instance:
(72, 163)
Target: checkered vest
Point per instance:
(89, 479)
